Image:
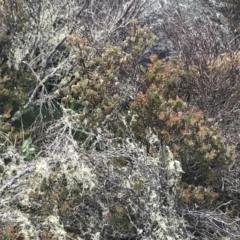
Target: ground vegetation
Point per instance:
(119, 120)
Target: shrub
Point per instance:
(206, 71)
(104, 83)
(192, 138)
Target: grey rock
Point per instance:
(195, 15)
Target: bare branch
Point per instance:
(14, 179)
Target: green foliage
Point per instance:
(28, 150)
(102, 82)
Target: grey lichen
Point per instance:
(92, 187)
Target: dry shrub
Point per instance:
(85, 194)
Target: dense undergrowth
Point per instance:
(95, 145)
